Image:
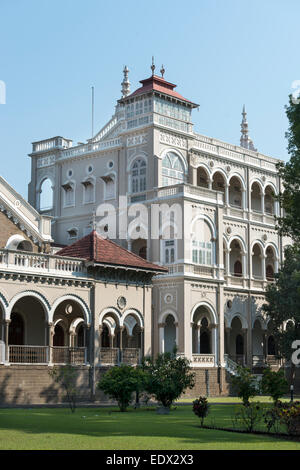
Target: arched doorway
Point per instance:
(169, 334)
(16, 330)
(59, 336)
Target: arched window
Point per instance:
(46, 195)
(173, 171)
(169, 250)
(138, 176)
(202, 248)
(238, 270)
(89, 191)
(204, 337)
(69, 194)
(170, 334)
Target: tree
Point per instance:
(283, 296)
(283, 307)
(168, 377)
(120, 382)
(245, 384)
(66, 376)
(274, 384)
(201, 408)
(289, 199)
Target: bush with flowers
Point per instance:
(289, 415)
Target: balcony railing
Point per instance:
(114, 356)
(21, 354)
(203, 360)
(67, 355)
(28, 354)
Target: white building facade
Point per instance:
(209, 303)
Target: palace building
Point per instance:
(83, 298)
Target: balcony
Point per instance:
(36, 263)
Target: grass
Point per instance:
(106, 428)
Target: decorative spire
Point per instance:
(152, 66)
(162, 71)
(126, 83)
(245, 141)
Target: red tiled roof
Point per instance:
(95, 248)
(159, 84)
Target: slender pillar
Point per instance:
(6, 327)
(50, 342)
(198, 327)
(142, 341)
(226, 194)
(244, 333)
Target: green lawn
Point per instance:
(103, 428)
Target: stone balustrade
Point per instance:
(41, 263)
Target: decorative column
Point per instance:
(244, 199)
(161, 329)
(245, 345)
(50, 342)
(97, 358)
(227, 254)
(226, 195)
(72, 339)
(198, 328)
(263, 267)
(6, 327)
(263, 202)
(141, 329)
(214, 344)
(227, 336)
(191, 348)
(111, 340)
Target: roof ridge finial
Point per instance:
(245, 141)
(152, 66)
(126, 83)
(162, 71)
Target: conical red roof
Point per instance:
(95, 248)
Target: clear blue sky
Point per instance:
(220, 53)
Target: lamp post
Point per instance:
(292, 392)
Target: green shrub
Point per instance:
(168, 377)
(274, 384)
(201, 408)
(120, 382)
(245, 384)
(249, 416)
